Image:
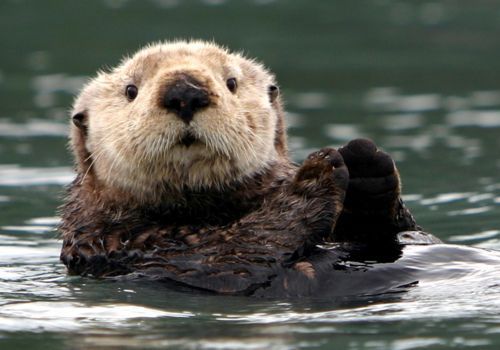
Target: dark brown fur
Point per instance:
(240, 238)
(229, 241)
(233, 241)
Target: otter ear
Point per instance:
(273, 92)
(81, 121)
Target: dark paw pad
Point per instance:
(364, 159)
(367, 163)
(374, 180)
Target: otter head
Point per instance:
(176, 116)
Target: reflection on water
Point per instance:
(46, 88)
(33, 128)
(418, 129)
(13, 175)
(420, 78)
(389, 100)
(40, 315)
(36, 296)
(484, 119)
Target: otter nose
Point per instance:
(185, 98)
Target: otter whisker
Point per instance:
(94, 159)
(117, 157)
(100, 152)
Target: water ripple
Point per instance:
(446, 198)
(40, 316)
(310, 100)
(479, 236)
(32, 252)
(483, 119)
(52, 221)
(33, 128)
(389, 100)
(343, 132)
(398, 122)
(46, 87)
(14, 175)
(470, 211)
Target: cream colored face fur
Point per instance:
(135, 146)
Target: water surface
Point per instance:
(420, 78)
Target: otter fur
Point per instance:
(183, 175)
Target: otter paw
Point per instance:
(323, 169)
(374, 185)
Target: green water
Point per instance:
(421, 78)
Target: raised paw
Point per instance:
(317, 192)
(322, 171)
(373, 209)
(374, 185)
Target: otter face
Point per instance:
(178, 115)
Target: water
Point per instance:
(420, 78)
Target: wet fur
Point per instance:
(229, 215)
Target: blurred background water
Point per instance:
(421, 78)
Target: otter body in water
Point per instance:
(183, 174)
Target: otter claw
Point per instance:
(325, 167)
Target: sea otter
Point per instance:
(183, 175)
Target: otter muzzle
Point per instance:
(184, 98)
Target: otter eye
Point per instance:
(231, 84)
(131, 91)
